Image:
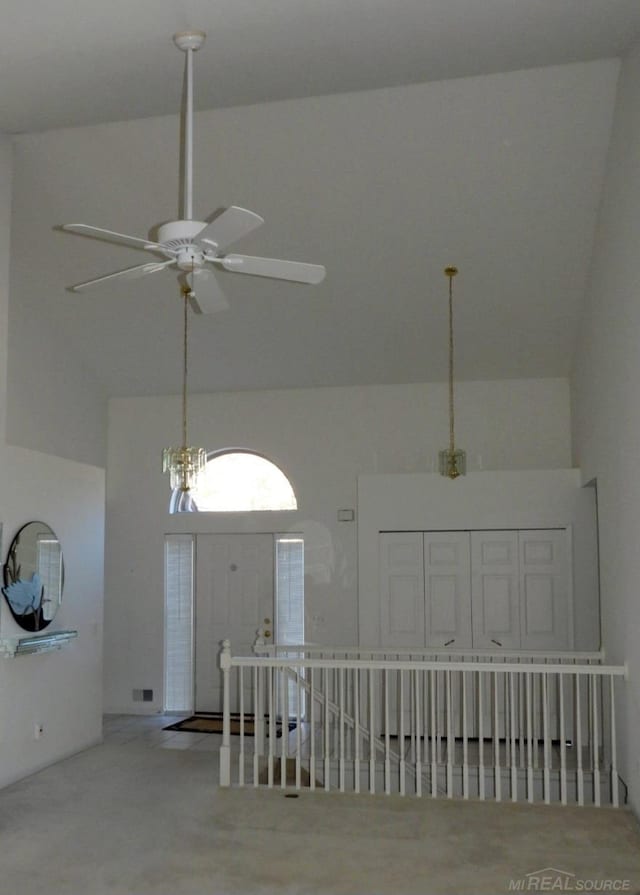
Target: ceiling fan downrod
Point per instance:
(189, 42)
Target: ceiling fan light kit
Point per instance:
(194, 247)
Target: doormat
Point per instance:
(211, 722)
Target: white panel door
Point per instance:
(234, 597)
(401, 589)
(495, 602)
(447, 581)
(544, 590)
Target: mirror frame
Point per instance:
(35, 621)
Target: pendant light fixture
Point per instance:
(452, 462)
(184, 464)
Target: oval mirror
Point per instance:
(34, 576)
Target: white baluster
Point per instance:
(514, 754)
(481, 780)
(496, 740)
(372, 732)
(356, 718)
(284, 720)
(272, 728)
(450, 740)
(465, 744)
(563, 745)
(546, 743)
(412, 717)
(341, 735)
(259, 728)
(596, 741)
(387, 750)
(579, 772)
(536, 720)
(327, 732)
(299, 673)
(401, 743)
(434, 762)
(312, 732)
(225, 748)
(614, 760)
(521, 721)
(241, 756)
(417, 727)
(258, 725)
(530, 793)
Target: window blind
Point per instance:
(178, 641)
(289, 590)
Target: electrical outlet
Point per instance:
(38, 730)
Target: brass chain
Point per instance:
(451, 272)
(186, 292)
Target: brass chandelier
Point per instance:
(452, 462)
(184, 464)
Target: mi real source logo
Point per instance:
(550, 879)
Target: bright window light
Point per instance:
(240, 482)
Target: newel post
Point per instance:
(225, 748)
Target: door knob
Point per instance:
(267, 634)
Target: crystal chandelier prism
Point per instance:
(452, 462)
(184, 464)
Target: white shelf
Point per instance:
(35, 643)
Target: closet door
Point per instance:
(495, 601)
(401, 589)
(544, 590)
(447, 583)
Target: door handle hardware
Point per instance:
(267, 621)
(267, 633)
(497, 642)
(449, 642)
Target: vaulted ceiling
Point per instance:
(493, 160)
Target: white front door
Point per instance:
(234, 597)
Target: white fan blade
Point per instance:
(206, 295)
(128, 273)
(112, 236)
(231, 225)
(277, 270)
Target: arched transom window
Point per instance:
(240, 481)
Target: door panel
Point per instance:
(495, 603)
(447, 589)
(234, 596)
(401, 589)
(544, 590)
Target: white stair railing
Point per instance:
(533, 729)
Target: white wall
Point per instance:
(55, 402)
(605, 404)
(480, 500)
(323, 439)
(61, 690)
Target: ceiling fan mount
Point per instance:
(189, 40)
(192, 246)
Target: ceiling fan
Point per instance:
(195, 247)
